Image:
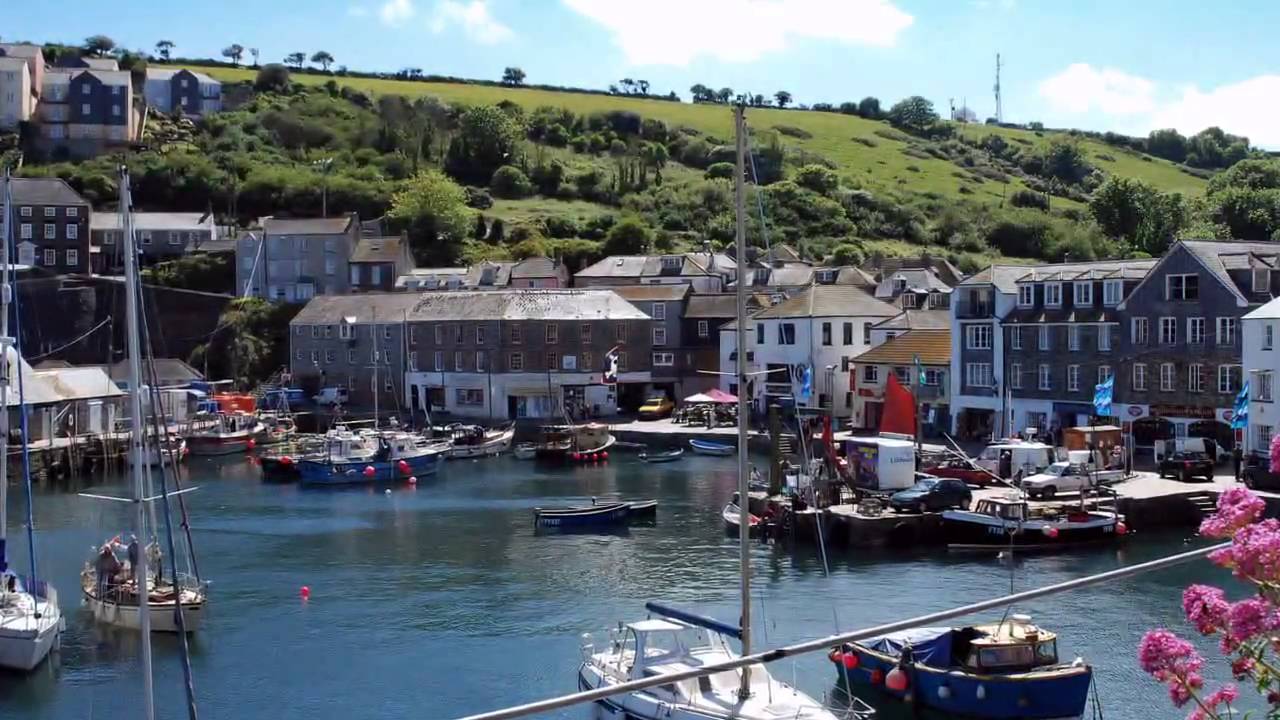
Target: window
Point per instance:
(759, 333)
(73, 258)
(826, 334)
(1104, 373)
(1043, 339)
(328, 357)
(659, 311)
(664, 359)
(1026, 295)
(1261, 280)
(73, 212)
(585, 332)
(146, 238)
(482, 361)
(620, 331)
(552, 333)
(1139, 376)
(1228, 378)
(1104, 338)
(51, 231)
(331, 268)
(51, 212)
(25, 211)
(978, 375)
(516, 333)
(459, 361)
(516, 361)
(351, 358)
(115, 109)
(659, 336)
(1044, 379)
(457, 334)
(1053, 294)
(1195, 377)
(479, 334)
(903, 374)
(1082, 293)
(315, 331)
(1264, 436)
(1265, 386)
(469, 397)
(1182, 287)
(908, 300)
(386, 332)
(786, 333)
(26, 229)
(1015, 376)
(174, 237)
(50, 257)
(346, 331)
(1166, 377)
(353, 272)
(1226, 331)
(1195, 330)
(1111, 292)
(587, 358)
(315, 357)
(438, 361)
(1015, 338)
(847, 332)
(978, 337)
(1073, 338)
(866, 333)
(1268, 336)
(85, 109)
(704, 329)
(1168, 331)
(297, 355)
(871, 374)
(1073, 377)
(622, 361)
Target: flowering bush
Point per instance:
(1275, 454)
(1246, 630)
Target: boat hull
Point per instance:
(969, 530)
(702, 447)
(526, 451)
(215, 446)
(1043, 695)
(642, 510)
(325, 472)
(493, 446)
(583, 517)
(664, 457)
(26, 642)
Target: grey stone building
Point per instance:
(160, 236)
(296, 259)
(51, 225)
(665, 304)
(376, 262)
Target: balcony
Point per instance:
(969, 310)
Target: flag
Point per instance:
(899, 414)
(806, 382)
(1102, 393)
(919, 370)
(1240, 412)
(610, 376)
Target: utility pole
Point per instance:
(999, 106)
(744, 497)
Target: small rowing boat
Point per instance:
(642, 509)
(526, 451)
(706, 447)
(569, 518)
(663, 456)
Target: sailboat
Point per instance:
(676, 640)
(128, 596)
(30, 622)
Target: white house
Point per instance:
(1261, 362)
(819, 331)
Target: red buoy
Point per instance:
(252, 443)
(304, 592)
(604, 455)
(896, 680)
(369, 471)
(851, 660)
(286, 460)
(1121, 528)
(404, 467)
(595, 457)
(577, 456)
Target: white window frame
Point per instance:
(482, 361)
(1265, 285)
(50, 212)
(1026, 295)
(50, 256)
(73, 212)
(1264, 437)
(978, 337)
(1015, 376)
(73, 257)
(1264, 392)
(1081, 293)
(1104, 372)
(346, 331)
(1043, 341)
(1268, 336)
(1112, 292)
(664, 359)
(438, 361)
(1104, 338)
(1139, 382)
(1015, 337)
(978, 375)
(704, 328)
(659, 311)
(1195, 331)
(1170, 337)
(1053, 295)
(871, 374)
(1073, 338)
(459, 361)
(1073, 378)
(1182, 290)
(1044, 377)
(1226, 379)
(1167, 375)
(1195, 377)
(659, 336)
(1227, 329)
(515, 361)
(50, 231)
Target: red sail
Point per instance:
(899, 408)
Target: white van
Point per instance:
(331, 396)
(1028, 458)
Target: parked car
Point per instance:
(655, 408)
(1067, 477)
(1185, 465)
(961, 470)
(931, 493)
(331, 396)
(1257, 474)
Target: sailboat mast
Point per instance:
(136, 432)
(744, 502)
(5, 344)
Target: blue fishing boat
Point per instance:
(590, 516)
(706, 447)
(371, 456)
(1005, 670)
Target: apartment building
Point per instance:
(296, 259)
(51, 223)
(376, 262)
(921, 361)
(17, 95)
(671, 363)
(160, 236)
(177, 90)
(703, 271)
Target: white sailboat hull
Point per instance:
(162, 616)
(25, 640)
(491, 446)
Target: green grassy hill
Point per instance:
(866, 151)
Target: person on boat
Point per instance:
(107, 568)
(1006, 464)
(155, 559)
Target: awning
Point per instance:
(699, 398)
(718, 395)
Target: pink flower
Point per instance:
(1250, 618)
(1206, 607)
(1165, 655)
(1237, 507)
(1254, 553)
(1224, 695)
(1241, 667)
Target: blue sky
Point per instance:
(1128, 66)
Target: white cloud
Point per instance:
(1248, 108)
(675, 32)
(396, 12)
(1081, 88)
(475, 20)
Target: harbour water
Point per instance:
(441, 599)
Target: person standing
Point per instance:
(1237, 460)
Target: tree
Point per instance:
(295, 59)
(724, 95)
(782, 97)
(1253, 174)
(234, 52)
(701, 93)
(251, 341)
(630, 236)
(513, 76)
(1168, 144)
(848, 254)
(510, 183)
(99, 45)
(915, 114)
(255, 53)
(820, 179)
(1064, 160)
(869, 108)
(643, 85)
(273, 77)
(164, 49)
(655, 156)
(628, 85)
(1118, 204)
(486, 139)
(323, 59)
(433, 210)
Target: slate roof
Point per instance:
(830, 301)
(1006, 277)
(524, 304)
(44, 191)
(501, 274)
(933, 347)
(110, 76)
(110, 220)
(419, 276)
(1219, 257)
(652, 293)
(536, 267)
(635, 266)
(108, 64)
(917, 279)
(942, 267)
(855, 276)
(155, 73)
(307, 226)
(1270, 311)
(380, 249)
(917, 320)
(721, 305)
(21, 50)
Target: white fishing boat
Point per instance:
(678, 641)
(174, 450)
(223, 433)
(473, 441)
(30, 622)
(526, 451)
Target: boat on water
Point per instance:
(371, 456)
(172, 449)
(589, 516)
(526, 451)
(1002, 670)
(564, 443)
(31, 624)
(280, 462)
(642, 509)
(706, 447)
(275, 428)
(662, 456)
(115, 600)
(473, 441)
(223, 433)
(1008, 522)
(732, 515)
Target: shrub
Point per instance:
(865, 141)
(816, 178)
(1029, 199)
(479, 198)
(792, 131)
(556, 136)
(508, 182)
(560, 226)
(721, 170)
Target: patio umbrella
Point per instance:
(720, 396)
(699, 398)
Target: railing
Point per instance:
(777, 388)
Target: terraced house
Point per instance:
(85, 109)
(51, 223)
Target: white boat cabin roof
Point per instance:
(655, 625)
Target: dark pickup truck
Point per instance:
(1257, 473)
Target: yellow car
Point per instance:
(654, 408)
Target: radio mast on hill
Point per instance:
(999, 109)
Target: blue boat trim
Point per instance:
(702, 621)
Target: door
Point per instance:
(512, 407)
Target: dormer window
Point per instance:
(899, 284)
(346, 328)
(1082, 293)
(671, 262)
(1261, 280)
(1053, 294)
(825, 276)
(1026, 295)
(1112, 291)
(908, 300)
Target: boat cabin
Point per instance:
(1005, 508)
(1013, 646)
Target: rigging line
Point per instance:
(755, 178)
(24, 419)
(64, 346)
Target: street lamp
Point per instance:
(325, 165)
